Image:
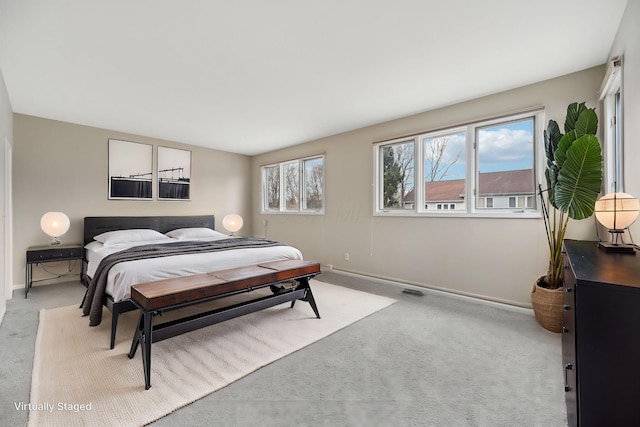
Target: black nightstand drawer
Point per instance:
(59, 253)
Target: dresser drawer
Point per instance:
(569, 291)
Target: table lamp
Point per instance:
(617, 211)
(232, 223)
(55, 224)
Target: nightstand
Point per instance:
(43, 254)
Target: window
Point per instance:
(271, 178)
(397, 171)
(505, 162)
(444, 168)
(291, 172)
(488, 202)
(445, 206)
(295, 186)
(611, 97)
(313, 179)
(483, 168)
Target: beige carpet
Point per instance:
(77, 380)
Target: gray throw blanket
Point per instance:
(94, 298)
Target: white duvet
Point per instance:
(125, 274)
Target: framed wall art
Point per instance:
(174, 174)
(130, 170)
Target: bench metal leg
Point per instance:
(308, 296)
(114, 326)
(136, 337)
(143, 338)
(146, 349)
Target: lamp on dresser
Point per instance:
(617, 211)
(55, 224)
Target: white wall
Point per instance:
(497, 259)
(6, 136)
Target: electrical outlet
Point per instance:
(264, 222)
(346, 256)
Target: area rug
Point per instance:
(77, 380)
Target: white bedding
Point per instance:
(125, 274)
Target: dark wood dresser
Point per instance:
(601, 336)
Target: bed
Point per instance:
(185, 231)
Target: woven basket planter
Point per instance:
(547, 307)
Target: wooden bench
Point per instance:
(154, 298)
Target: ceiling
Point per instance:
(252, 76)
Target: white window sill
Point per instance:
(510, 214)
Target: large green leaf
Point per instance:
(565, 143)
(587, 123)
(580, 178)
(552, 136)
(573, 113)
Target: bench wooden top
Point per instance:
(165, 293)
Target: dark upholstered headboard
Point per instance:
(94, 225)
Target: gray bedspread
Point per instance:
(95, 296)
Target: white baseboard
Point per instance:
(469, 298)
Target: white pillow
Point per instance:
(93, 246)
(194, 233)
(111, 238)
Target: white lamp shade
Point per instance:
(232, 222)
(617, 211)
(55, 224)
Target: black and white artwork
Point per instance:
(174, 174)
(130, 170)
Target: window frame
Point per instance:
(612, 98)
(470, 208)
(302, 193)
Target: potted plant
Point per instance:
(574, 179)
